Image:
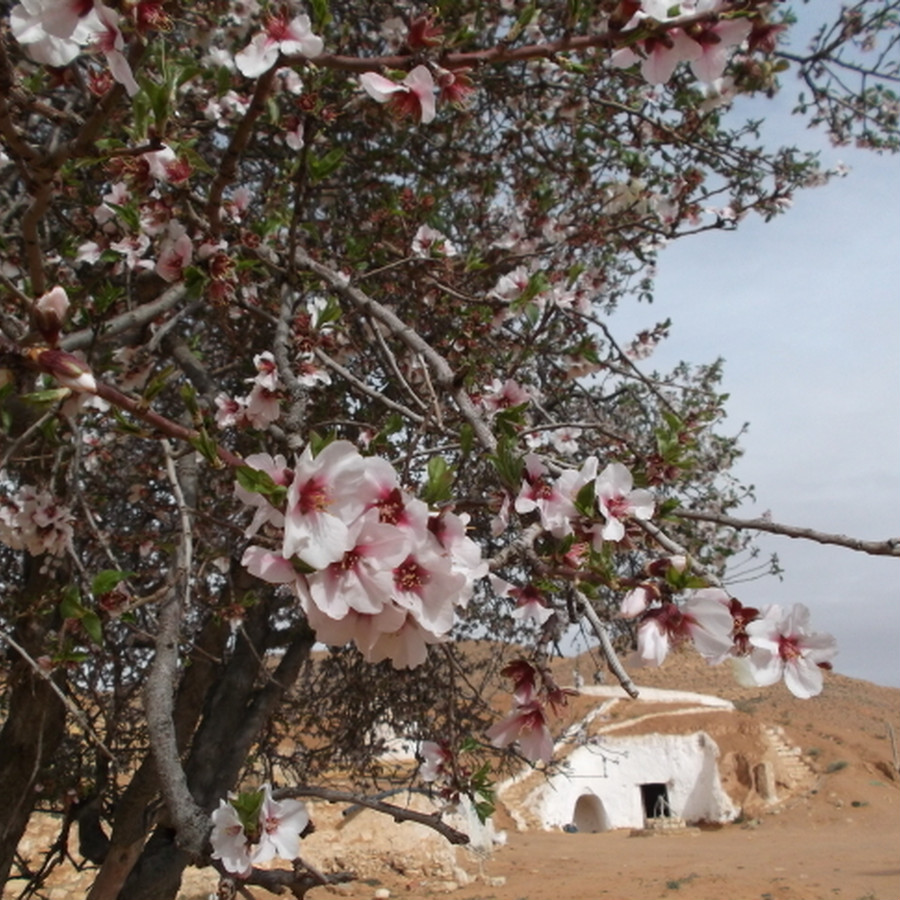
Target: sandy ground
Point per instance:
(837, 840)
(840, 840)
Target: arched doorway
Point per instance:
(589, 815)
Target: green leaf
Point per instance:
(522, 22)
(330, 313)
(157, 383)
(508, 463)
(125, 425)
(258, 482)
(106, 580)
(91, 623)
(189, 398)
(440, 481)
(484, 810)
(207, 448)
(130, 215)
(584, 502)
(320, 14)
(321, 167)
(318, 442)
(52, 395)
(466, 438)
(70, 606)
(248, 804)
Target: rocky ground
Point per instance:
(839, 839)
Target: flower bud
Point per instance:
(49, 312)
(66, 368)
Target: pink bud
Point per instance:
(49, 312)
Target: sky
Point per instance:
(805, 311)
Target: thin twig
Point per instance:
(79, 715)
(606, 647)
(440, 368)
(398, 813)
(890, 547)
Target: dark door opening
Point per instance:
(655, 798)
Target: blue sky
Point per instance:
(806, 312)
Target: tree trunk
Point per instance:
(29, 739)
(133, 820)
(236, 711)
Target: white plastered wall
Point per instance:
(612, 769)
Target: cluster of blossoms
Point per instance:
(369, 562)
(252, 828)
(261, 406)
(279, 37)
(567, 504)
(763, 645)
(415, 94)
(33, 520)
(533, 691)
(704, 45)
(54, 32)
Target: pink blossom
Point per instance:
(530, 602)
(67, 369)
(456, 87)
(230, 411)
(413, 96)
(527, 725)
(133, 249)
(268, 566)
(49, 312)
(229, 840)
(175, 255)
(703, 619)
(426, 585)
(503, 395)
(465, 555)
(362, 580)
(715, 41)
(429, 242)
(434, 760)
(263, 407)
(108, 40)
(276, 833)
(406, 647)
(309, 374)
(323, 497)
(785, 647)
(617, 500)
(34, 520)
(281, 824)
(280, 36)
(539, 494)
(52, 31)
(565, 440)
(660, 55)
(266, 514)
(513, 284)
(637, 600)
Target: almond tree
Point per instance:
(305, 331)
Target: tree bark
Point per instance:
(236, 710)
(29, 739)
(133, 820)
